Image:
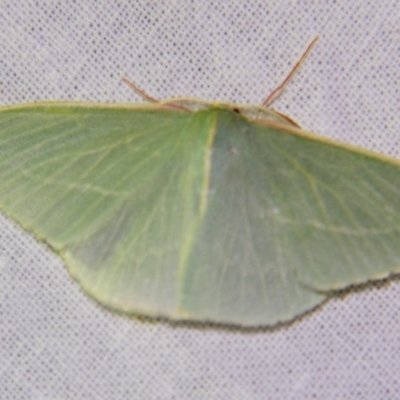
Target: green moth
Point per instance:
(199, 211)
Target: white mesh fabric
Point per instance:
(55, 342)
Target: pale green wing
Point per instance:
(289, 218)
(115, 191)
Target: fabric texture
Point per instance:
(57, 343)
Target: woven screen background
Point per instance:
(55, 342)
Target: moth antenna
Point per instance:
(140, 92)
(278, 91)
(150, 99)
